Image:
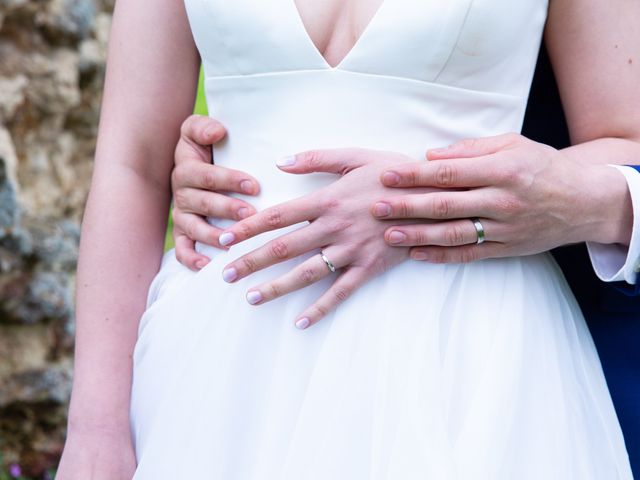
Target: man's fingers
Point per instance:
(448, 234)
(342, 288)
(475, 147)
(272, 218)
(458, 173)
(202, 130)
(186, 253)
(212, 177)
(210, 204)
(462, 254)
(335, 160)
(436, 205)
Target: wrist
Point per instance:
(607, 206)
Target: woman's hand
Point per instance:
(528, 196)
(195, 182)
(341, 224)
(97, 456)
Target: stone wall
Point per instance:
(52, 55)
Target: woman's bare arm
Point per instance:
(150, 88)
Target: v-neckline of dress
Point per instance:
(316, 51)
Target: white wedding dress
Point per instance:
(478, 371)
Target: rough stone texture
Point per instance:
(52, 56)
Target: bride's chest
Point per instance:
(420, 39)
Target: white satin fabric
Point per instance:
(479, 371)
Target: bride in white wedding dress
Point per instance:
(458, 371)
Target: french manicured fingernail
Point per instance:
(246, 186)
(254, 297)
(390, 178)
(229, 274)
(243, 212)
(381, 209)
(397, 237)
(302, 323)
(287, 161)
(419, 256)
(226, 238)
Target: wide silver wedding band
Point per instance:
(328, 262)
(479, 230)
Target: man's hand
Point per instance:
(528, 196)
(195, 182)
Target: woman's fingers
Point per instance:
(272, 218)
(303, 275)
(330, 160)
(210, 204)
(211, 177)
(347, 283)
(437, 205)
(448, 234)
(278, 250)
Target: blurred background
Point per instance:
(52, 60)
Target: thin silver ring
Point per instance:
(330, 265)
(479, 230)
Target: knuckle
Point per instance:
(454, 235)
(190, 230)
(442, 207)
(341, 293)
(336, 226)
(205, 205)
(279, 249)
(307, 276)
(312, 158)
(244, 229)
(420, 237)
(508, 172)
(210, 180)
(405, 208)
(411, 176)
(274, 290)
(180, 198)
(438, 256)
(329, 204)
(249, 264)
(508, 206)
(468, 255)
(320, 309)
(446, 175)
(273, 217)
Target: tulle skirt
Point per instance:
(477, 371)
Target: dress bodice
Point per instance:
(423, 73)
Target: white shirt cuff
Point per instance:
(613, 263)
